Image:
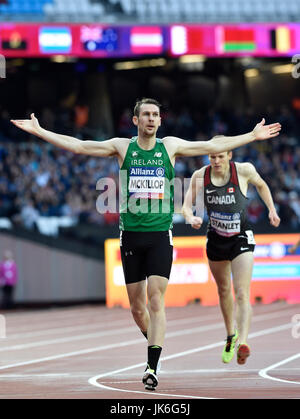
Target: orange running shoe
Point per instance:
(242, 353)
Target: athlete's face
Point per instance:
(148, 120)
(220, 162)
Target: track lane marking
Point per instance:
(94, 380)
(264, 372)
(129, 329)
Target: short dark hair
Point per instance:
(140, 102)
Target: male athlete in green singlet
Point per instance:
(145, 219)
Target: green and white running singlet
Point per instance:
(147, 189)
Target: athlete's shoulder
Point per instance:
(244, 166)
(124, 143)
(199, 173)
(120, 140)
(245, 169)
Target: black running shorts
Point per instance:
(220, 248)
(146, 253)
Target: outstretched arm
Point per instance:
(94, 148)
(219, 144)
(264, 192)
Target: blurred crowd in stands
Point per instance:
(37, 179)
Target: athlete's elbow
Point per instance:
(80, 148)
(216, 145)
(77, 149)
(212, 147)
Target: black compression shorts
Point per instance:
(220, 248)
(146, 253)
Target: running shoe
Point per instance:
(242, 353)
(150, 380)
(228, 351)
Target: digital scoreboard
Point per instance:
(92, 40)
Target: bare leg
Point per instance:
(138, 306)
(157, 286)
(242, 267)
(222, 274)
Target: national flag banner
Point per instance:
(238, 39)
(13, 38)
(146, 40)
(192, 39)
(55, 40)
(186, 40)
(195, 40)
(230, 190)
(179, 42)
(95, 38)
(282, 39)
(15, 42)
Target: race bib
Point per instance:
(147, 182)
(250, 236)
(225, 224)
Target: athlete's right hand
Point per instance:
(292, 249)
(196, 222)
(31, 126)
(274, 219)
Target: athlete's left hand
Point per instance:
(274, 219)
(263, 132)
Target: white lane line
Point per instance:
(100, 325)
(94, 380)
(110, 346)
(264, 372)
(67, 339)
(104, 347)
(106, 332)
(133, 342)
(133, 328)
(74, 353)
(113, 332)
(64, 330)
(48, 375)
(166, 395)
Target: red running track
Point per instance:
(91, 352)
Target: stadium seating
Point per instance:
(50, 10)
(26, 10)
(73, 11)
(151, 11)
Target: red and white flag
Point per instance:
(230, 190)
(146, 40)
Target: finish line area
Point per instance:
(94, 352)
